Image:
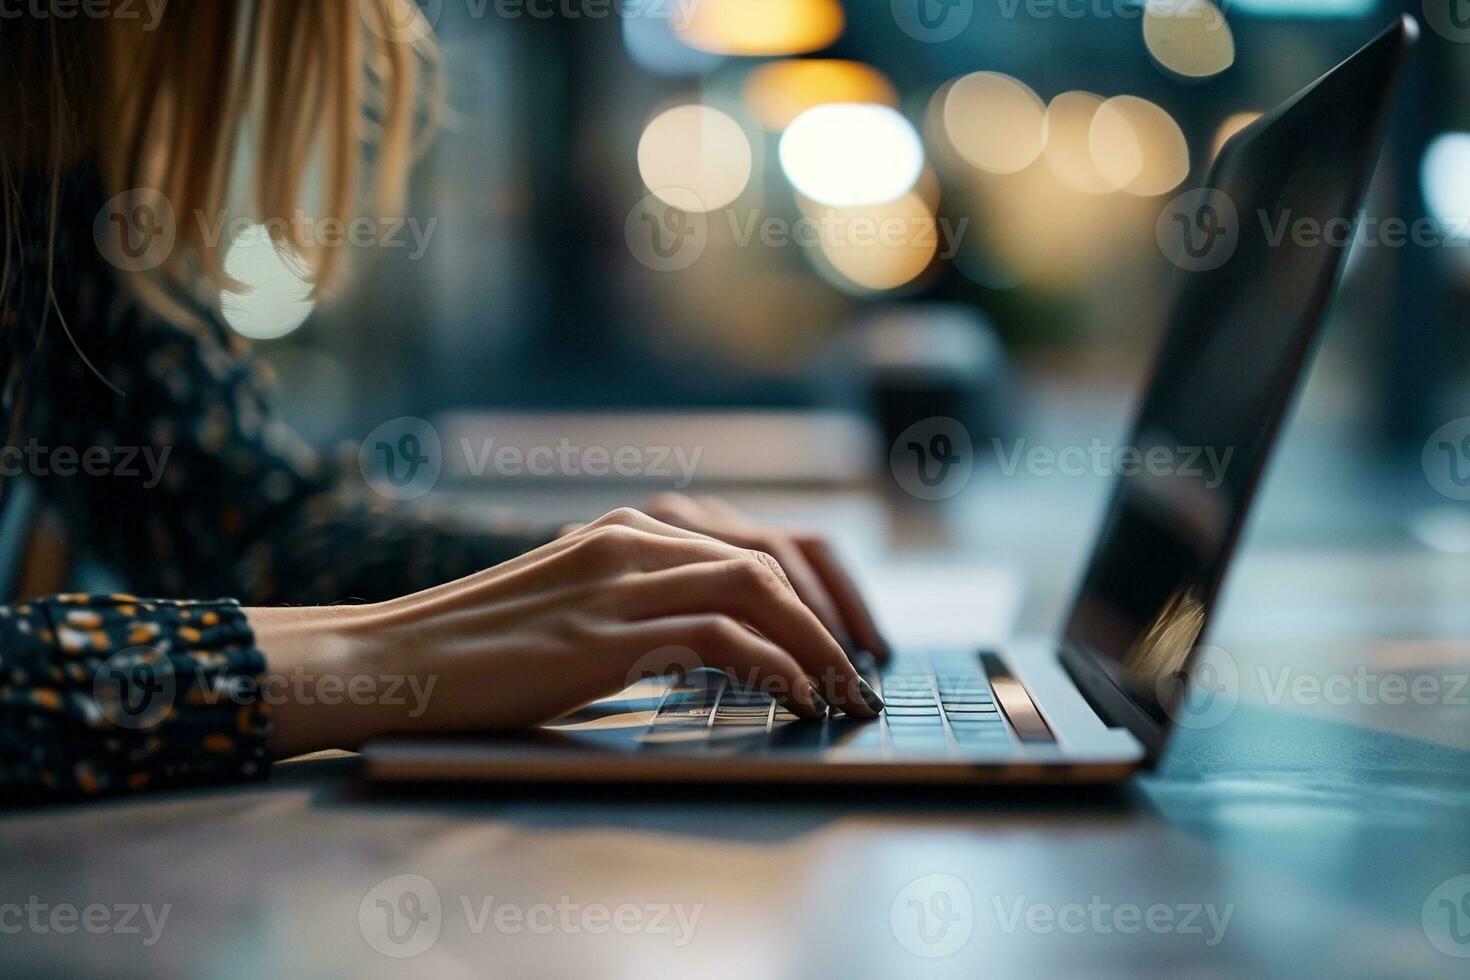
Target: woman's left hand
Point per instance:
(806, 558)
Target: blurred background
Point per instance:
(682, 204)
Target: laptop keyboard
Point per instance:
(939, 703)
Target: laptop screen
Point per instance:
(1258, 250)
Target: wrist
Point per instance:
(312, 654)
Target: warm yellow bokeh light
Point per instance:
(876, 247)
(1138, 147)
(994, 122)
(778, 92)
(1068, 155)
(695, 150)
(759, 27)
(1233, 124)
(850, 153)
(1190, 38)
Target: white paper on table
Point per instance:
(925, 603)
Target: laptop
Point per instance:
(1097, 702)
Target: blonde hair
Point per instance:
(165, 106)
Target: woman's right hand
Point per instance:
(529, 640)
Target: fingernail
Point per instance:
(870, 697)
(818, 703)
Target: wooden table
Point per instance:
(1298, 838)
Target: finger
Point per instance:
(721, 643)
(714, 517)
(849, 600)
(756, 594)
(809, 587)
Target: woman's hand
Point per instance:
(808, 560)
(531, 639)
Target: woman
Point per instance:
(108, 693)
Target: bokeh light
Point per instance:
(759, 27)
(1138, 147)
(778, 92)
(276, 299)
(697, 150)
(851, 154)
(1190, 38)
(876, 247)
(1068, 152)
(1445, 176)
(994, 122)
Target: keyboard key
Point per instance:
(682, 716)
(936, 748)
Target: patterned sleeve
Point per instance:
(104, 694)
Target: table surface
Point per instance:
(1322, 829)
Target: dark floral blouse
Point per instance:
(107, 693)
